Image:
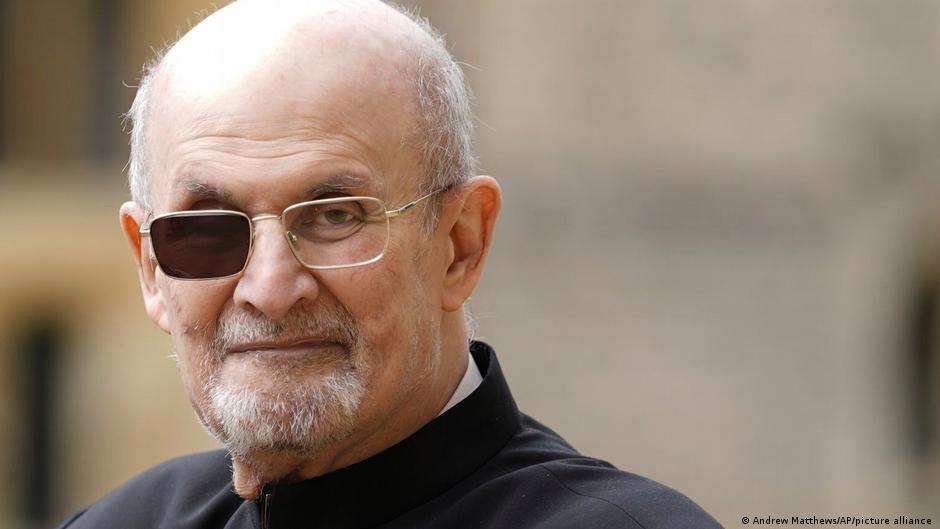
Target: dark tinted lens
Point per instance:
(201, 246)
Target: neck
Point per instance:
(424, 402)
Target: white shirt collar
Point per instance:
(470, 381)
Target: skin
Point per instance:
(262, 104)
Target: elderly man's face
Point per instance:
(282, 357)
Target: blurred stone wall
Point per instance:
(717, 216)
(719, 224)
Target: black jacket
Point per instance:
(482, 464)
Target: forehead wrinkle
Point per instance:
(274, 138)
(203, 190)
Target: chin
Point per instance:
(287, 416)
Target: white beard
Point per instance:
(300, 419)
(297, 415)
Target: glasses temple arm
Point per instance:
(392, 213)
(144, 231)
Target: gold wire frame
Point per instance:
(389, 214)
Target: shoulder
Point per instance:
(197, 485)
(558, 487)
(593, 486)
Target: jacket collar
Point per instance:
(410, 473)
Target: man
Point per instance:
(307, 227)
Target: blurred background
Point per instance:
(718, 263)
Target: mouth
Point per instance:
(289, 347)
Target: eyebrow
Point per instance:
(338, 182)
(204, 191)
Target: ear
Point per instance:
(132, 217)
(470, 237)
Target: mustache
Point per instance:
(327, 324)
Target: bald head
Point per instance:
(259, 44)
(314, 62)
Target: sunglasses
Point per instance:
(322, 234)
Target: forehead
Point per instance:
(250, 42)
(315, 101)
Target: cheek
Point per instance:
(194, 306)
(381, 300)
(373, 297)
(193, 310)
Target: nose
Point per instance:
(273, 280)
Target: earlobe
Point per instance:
(471, 235)
(132, 216)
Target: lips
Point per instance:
(291, 346)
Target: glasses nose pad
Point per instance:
(293, 243)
